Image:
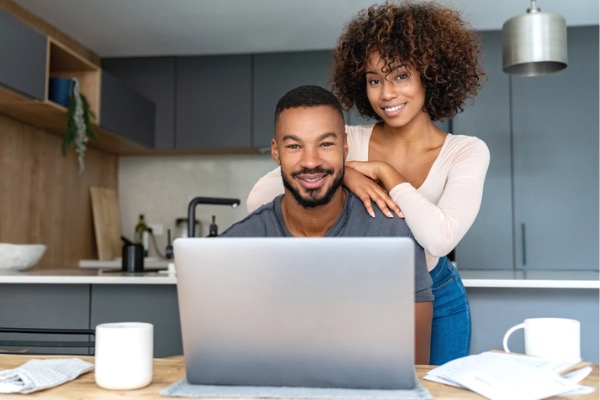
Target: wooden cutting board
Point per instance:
(105, 210)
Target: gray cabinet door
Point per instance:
(45, 306)
(213, 102)
(153, 77)
(126, 112)
(23, 54)
(540, 202)
(155, 304)
(489, 242)
(274, 75)
(555, 134)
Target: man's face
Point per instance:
(310, 146)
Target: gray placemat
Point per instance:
(183, 388)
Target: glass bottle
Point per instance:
(141, 234)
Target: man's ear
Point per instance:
(275, 151)
(345, 146)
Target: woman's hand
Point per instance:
(367, 190)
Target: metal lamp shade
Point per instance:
(534, 44)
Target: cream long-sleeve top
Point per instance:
(439, 212)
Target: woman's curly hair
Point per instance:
(428, 38)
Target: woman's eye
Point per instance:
(402, 76)
(373, 82)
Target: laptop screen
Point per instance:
(309, 312)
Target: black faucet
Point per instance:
(206, 200)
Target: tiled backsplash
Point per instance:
(162, 187)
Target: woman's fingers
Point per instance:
(368, 191)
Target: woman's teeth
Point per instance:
(395, 108)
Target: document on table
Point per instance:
(503, 376)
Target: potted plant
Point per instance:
(79, 126)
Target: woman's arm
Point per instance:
(266, 189)
(369, 191)
(438, 227)
(423, 317)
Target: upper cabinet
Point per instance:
(23, 51)
(154, 77)
(125, 122)
(126, 112)
(213, 102)
(274, 75)
(540, 202)
(219, 103)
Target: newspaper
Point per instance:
(504, 376)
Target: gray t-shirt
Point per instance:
(267, 221)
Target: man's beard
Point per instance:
(312, 200)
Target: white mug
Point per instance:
(124, 353)
(551, 338)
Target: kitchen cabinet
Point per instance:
(23, 51)
(153, 77)
(44, 306)
(198, 111)
(126, 112)
(29, 60)
(276, 74)
(495, 309)
(213, 102)
(155, 304)
(540, 205)
(83, 306)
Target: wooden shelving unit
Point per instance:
(63, 62)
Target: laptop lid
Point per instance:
(307, 312)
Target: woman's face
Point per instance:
(397, 96)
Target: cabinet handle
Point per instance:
(524, 244)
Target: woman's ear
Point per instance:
(275, 151)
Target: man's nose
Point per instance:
(310, 157)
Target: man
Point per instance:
(310, 147)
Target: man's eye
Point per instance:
(327, 144)
(293, 146)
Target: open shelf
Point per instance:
(63, 62)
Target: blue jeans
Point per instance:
(451, 326)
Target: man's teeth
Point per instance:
(395, 108)
(311, 180)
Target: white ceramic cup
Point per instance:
(124, 353)
(551, 338)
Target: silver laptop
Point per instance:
(308, 312)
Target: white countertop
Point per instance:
(88, 276)
(471, 278)
(531, 279)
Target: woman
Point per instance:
(407, 65)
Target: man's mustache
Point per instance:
(317, 170)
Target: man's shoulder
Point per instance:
(378, 225)
(261, 222)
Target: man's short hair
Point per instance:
(308, 96)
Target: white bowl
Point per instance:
(18, 257)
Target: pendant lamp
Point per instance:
(535, 43)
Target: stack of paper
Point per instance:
(504, 376)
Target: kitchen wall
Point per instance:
(44, 198)
(161, 188)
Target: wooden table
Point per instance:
(169, 370)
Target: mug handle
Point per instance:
(508, 333)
